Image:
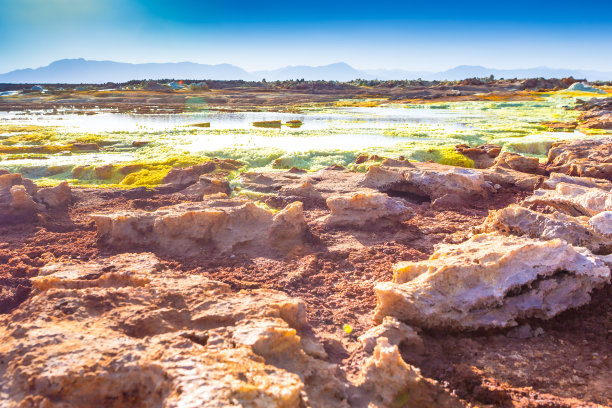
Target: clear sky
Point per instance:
(411, 35)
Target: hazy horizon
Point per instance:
(272, 68)
(412, 36)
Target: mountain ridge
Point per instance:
(80, 70)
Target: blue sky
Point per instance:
(411, 35)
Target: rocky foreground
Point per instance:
(413, 284)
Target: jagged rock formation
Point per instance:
(366, 208)
(573, 199)
(556, 178)
(517, 220)
(602, 223)
(393, 383)
(319, 185)
(450, 186)
(514, 171)
(21, 199)
(12, 185)
(597, 113)
(437, 181)
(426, 179)
(22, 202)
(505, 169)
(394, 331)
(218, 223)
(596, 120)
(582, 158)
(53, 197)
(127, 331)
(490, 281)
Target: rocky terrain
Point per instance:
(284, 96)
(412, 284)
(597, 113)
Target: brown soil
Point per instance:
(569, 365)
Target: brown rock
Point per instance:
(363, 208)
(182, 177)
(16, 203)
(518, 220)
(430, 180)
(362, 158)
(53, 197)
(228, 164)
(448, 202)
(8, 180)
(556, 178)
(596, 120)
(85, 147)
(573, 199)
(104, 172)
(130, 168)
(582, 158)
(207, 186)
(394, 331)
(507, 177)
(217, 223)
(483, 155)
(335, 167)
(560, 126)
(22, 201)
(517, 162)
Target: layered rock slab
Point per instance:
(127, 332)
(517, 162)
(573, 199)
(582, 158)
(218, 223)
(555, 178)
(597, 115)
(490, 281)
(430, 180)
(365, 207)
(578, 231)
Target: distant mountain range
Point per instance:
(332, 72)
(88, 71)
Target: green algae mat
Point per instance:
(105, 148)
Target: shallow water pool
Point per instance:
(327, 136)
